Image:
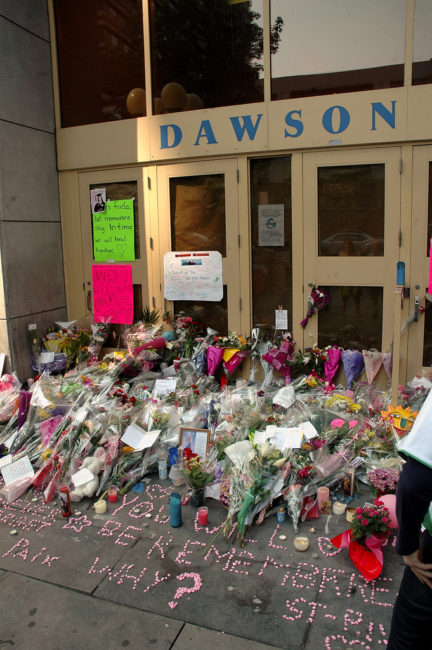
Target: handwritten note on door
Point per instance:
(112, 293)
(193, 276)
(113, 232)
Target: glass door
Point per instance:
(118, 234)
(420, 330)
(198, 211)
(351, 205)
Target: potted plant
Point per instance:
(369, 532)
(198, 474)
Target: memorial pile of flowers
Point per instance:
(273, 443)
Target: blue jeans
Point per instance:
(411, 625)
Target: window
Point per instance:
(422, 49)
(100, 60)
(205, 53)
(334, 47)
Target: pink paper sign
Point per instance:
(112, 293)
(430, 266)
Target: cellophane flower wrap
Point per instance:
(353, 364)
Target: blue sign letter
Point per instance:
(344, 119)
(205, 131)
(296, 124)
(247, 126)
(388, 116)
(164, 135)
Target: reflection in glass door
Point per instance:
(198, 212)
(271, 234)
(351, 229)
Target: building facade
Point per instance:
(292, 136)
(32, 285)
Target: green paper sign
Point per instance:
(113, 232)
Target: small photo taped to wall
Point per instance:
(98, 200)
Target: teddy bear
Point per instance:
(94, 464)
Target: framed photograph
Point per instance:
(197, 440)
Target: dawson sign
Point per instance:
(334, 121)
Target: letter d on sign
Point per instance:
(177, 136)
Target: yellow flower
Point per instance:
(46, 454)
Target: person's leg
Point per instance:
(411, 625)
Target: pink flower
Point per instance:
(364, 522)
(359, 511)
(385, 519)
(359, 516)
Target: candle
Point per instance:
(112, 495)
(203, 516)
(175, 509)
(350, 514)
(176, 476)
(162, 466)
(323, 495)
(100, 507)
(338, 508)
(301, 543)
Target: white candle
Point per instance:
(301, 543)
(338, 508)
(100, 507)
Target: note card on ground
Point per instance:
(114, 232)
(138, 438)
(16, 470)
(112, 293)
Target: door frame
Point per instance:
(379, 271)
(141, 267)
(231, 262)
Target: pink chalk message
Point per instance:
(112, 293)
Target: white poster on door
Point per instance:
(271, 225)
(193, 276)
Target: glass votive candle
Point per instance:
(339, 508)
(301, 543)
(203, 516)
(100, 507)
(112, 494)
(350, 514)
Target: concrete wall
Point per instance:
(30, 232)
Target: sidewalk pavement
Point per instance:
(127, 579)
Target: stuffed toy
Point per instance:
(94, 464)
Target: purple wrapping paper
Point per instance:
(214, 357)
(353, 364)
(23, 406)
(331, 365)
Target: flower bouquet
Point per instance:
(368, 534)
(187, 331)
(198, 473)
(235, 350)
(383, 481)
(279, 358)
